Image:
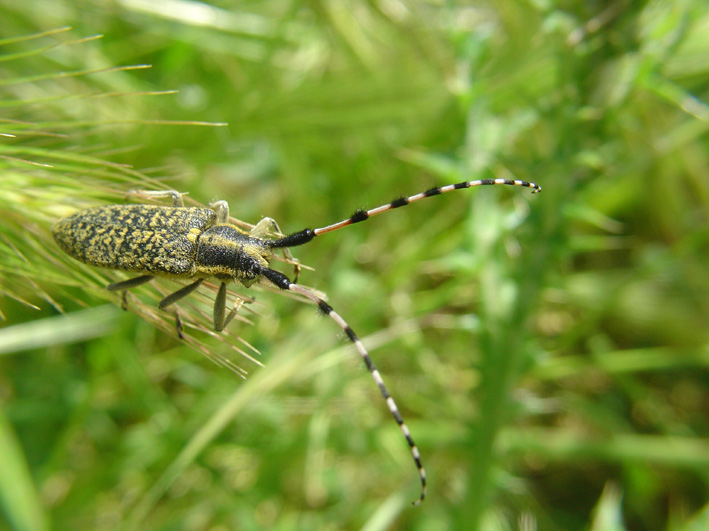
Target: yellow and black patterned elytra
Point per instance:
(200, 243)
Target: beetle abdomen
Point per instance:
(143, 238)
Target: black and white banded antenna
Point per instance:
(306, 235)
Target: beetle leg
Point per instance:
(234, 311)
(220, 308)
(222, 210)
(264, 227)
(130, 283)
(269, 226)
(220, 321)
(176, 296)
(159, 194)
(179, 294)
(178, 325)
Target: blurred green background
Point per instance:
(548, 352)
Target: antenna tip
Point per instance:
(416, 503)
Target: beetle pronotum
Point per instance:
(199, 243)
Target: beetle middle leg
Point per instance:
(125, 285)
(176, 296)
(179, 294)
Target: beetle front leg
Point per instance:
(269, 226)
(221, 320)
(220, 308)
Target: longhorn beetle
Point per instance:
(198, 243)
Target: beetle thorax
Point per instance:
(227, 253)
